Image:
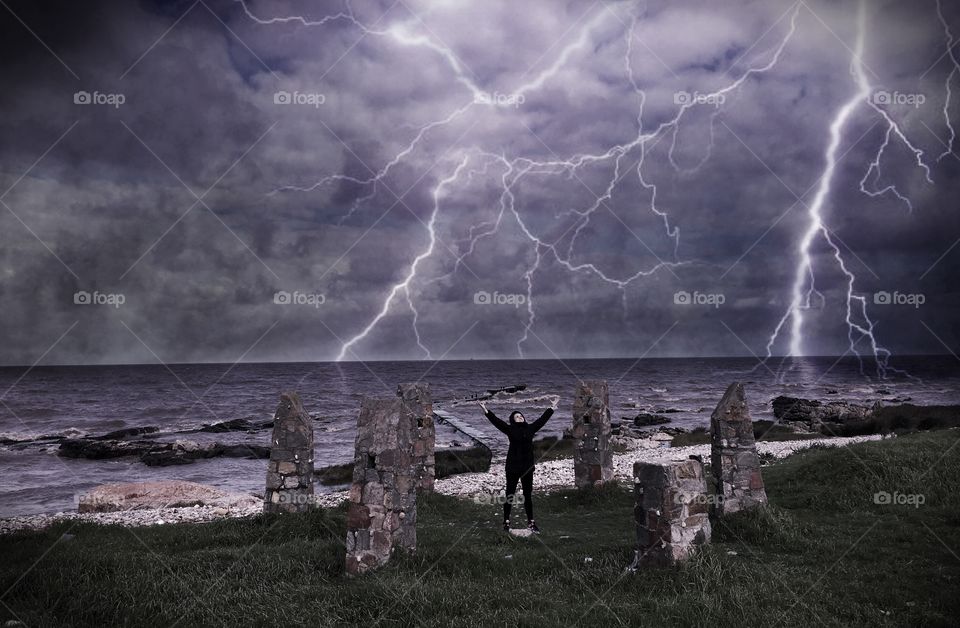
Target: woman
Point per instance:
(520, 460)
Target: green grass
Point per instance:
(822, 553)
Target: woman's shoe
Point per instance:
(533, 527)
(506, 525)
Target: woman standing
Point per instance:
(520, 462)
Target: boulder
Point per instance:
(157, 454)
(235, 425)
(810, 414)
(646, 419)
(92, 449)
(128, 432)
(163, 494)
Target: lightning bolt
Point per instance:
(404, 286)
(563, 251)
(948, 35)
(860, 326)
(515, 169)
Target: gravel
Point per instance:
(552, 475)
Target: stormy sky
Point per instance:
(217, 180)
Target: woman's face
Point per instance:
(518, 418)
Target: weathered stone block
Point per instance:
(290, 470)
(733, 455)
(393, 459)
(417, 408)
(592, 455)
(670, 515)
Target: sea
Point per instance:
(76, 401)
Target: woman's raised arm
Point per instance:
(493, 418)
(542, 420)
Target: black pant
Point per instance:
(526, 483)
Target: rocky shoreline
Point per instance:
(550, 476)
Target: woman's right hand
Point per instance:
(483, 406)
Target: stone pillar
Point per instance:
(417, 408)
(671, 511)
(733, 454)
(382, 512)
(290, 470)
(592, 447)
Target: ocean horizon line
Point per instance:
(467, 360)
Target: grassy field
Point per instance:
(823, 553)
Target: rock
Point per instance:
(155, 453)
(646, 419)
(106, 449)
(810, 414)
(163, 494)
(179, 452)
(127, 432)
(510, 390)
(234, 425)
(242, 450)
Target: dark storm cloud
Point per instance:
(113, 207)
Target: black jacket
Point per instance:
(520, 453)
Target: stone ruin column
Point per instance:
(417, 408)
(592, 450)
(290, 470)
(733, 454)
(382, 513)
(672, 512)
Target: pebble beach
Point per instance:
(550, 476)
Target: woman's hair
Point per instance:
(513, 414)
